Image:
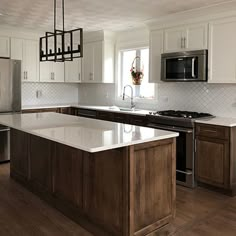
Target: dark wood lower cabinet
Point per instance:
(40, 162)
(104, 188)
(68, 174)
(216, 157)
(125, 192)
(213, 161)
(19, 154)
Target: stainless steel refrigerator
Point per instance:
(10, 99)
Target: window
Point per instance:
(126, 57)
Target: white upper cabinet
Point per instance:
(174, 39)
(222, 51)
(73, 71)
(28, 52)
(191, 37)
(98, 62)
(4, 46)
(30, 61)
(196, 37)
(16, 49)
(155, 51)
(52, 72)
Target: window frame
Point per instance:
(118, 92)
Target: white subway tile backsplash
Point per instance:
(49, 93)
(218, 99)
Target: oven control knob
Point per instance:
(151, 113)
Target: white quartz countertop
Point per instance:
(83, 133)
(102, 108)
(221, 121)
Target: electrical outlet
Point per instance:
(164, 99)
(39, 93)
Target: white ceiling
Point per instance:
(93, 14)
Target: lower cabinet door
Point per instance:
(68, 174)
(19, 153)
(40, 163)
(212, 161)
(104, 189)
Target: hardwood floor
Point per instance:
(199, 212)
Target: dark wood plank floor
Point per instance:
(199, 212)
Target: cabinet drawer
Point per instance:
(121, 118)
(138, 120)
(213, 131)
(86, 113)
(105, 115)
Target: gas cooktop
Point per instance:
(176, 118)
(181, 114)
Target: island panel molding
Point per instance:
(126, 191)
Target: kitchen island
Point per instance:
(111, 178)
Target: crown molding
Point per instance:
(194, 16)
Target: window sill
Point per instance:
(137, 100)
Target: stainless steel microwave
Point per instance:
(184, 66)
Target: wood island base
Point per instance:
(124, 192)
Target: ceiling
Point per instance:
(93, 14)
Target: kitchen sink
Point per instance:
(128, 109)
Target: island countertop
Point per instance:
(83, 133)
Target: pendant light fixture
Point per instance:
(61, 45)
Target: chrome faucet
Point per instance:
(131, 97)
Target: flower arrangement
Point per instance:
(137, 76)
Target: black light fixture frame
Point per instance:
(61, 54)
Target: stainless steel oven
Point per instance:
(184, 66)
(184, 153)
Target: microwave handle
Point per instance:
(193, 72)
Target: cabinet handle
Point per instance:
(24, 75)
(79, 77)
(210, 131)
(193, 68)
(184, 42)
(91, 76)
(52, 76)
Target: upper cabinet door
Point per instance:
(98, 61)
(58, 72)
(173, 40)
(73, 71)
(16, 49)
(155, 51)
(46, 74)
(4, 46)
(30, 61)
(196, 37)
(88, 63)
(222, 51)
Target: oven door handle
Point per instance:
(170, 128)
(193, 69)
(188, 172)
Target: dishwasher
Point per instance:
(4, 144)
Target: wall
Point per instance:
(97, 94)
(52, 93)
